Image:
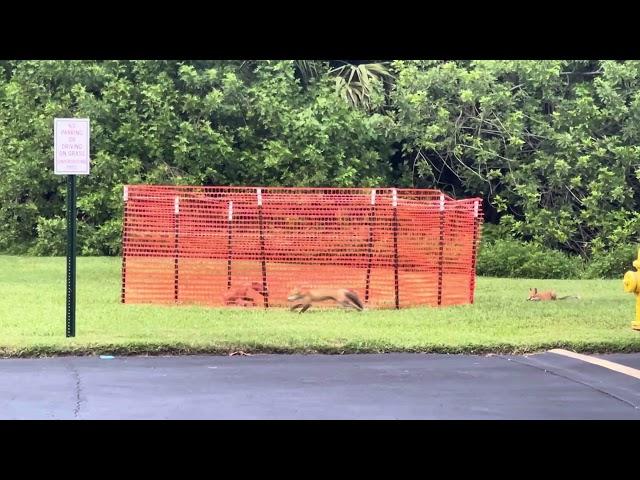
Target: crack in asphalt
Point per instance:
(78, 388)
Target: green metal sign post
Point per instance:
(71, 256)
(71, 158)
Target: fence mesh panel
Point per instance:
(394, 247)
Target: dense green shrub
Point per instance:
(612, 264)
(492, 232)
(52, 236)
(205, 122)
(550, 145)
(516, 259)
(500, 256)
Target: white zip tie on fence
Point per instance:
(442, 203)
(394, 201)
(230, 211)
(373, 196)
(259, 197)
(176, 205)
(125, 193)
(475, 209)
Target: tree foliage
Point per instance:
(195, 123)
(552, 146)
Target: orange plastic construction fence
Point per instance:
(394, 247)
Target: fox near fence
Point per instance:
(394, 247)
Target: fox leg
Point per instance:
(305, 308)
(297, 305)
(348, 304)
(246, 302)
(357, 307)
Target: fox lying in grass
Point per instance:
(243, 295)
(534, 296)
(306, 296)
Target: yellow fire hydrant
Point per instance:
(631, 284)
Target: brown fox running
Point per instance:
(243, 295)
(534, 296)
(306, 296)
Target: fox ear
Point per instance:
(535, 290)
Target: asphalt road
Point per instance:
(391, 386)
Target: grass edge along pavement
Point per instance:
(147, 349)
(501, 321)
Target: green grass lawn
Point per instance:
(32, 319)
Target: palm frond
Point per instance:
(357, 82)
(308, 69)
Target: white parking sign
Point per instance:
(71, 146)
